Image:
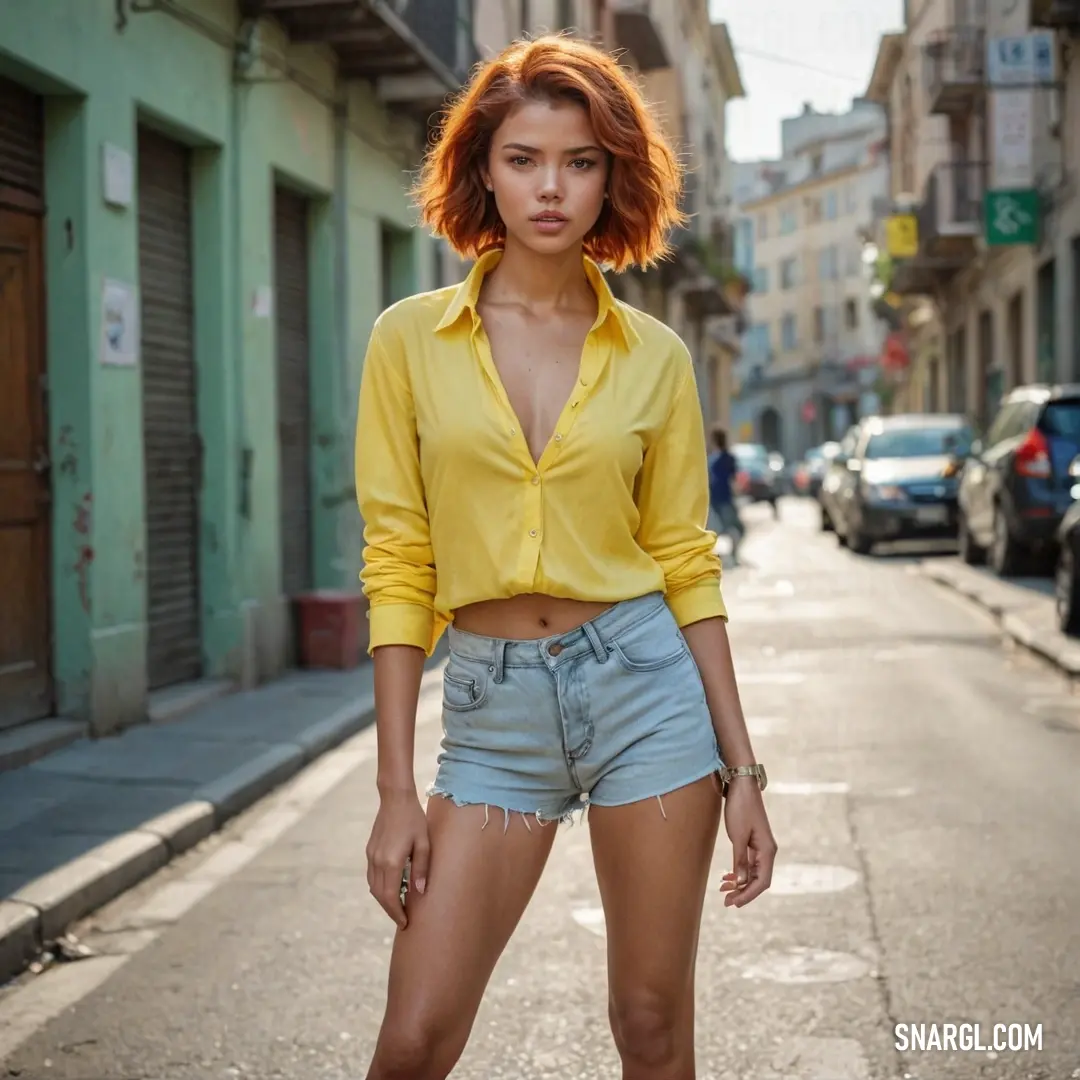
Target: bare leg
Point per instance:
(653, 868)
(479, 883)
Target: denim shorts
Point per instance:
(609, 713)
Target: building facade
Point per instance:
(811, 349)
(203, 209)
(984, 280)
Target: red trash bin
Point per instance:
(332, 628)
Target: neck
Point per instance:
(540, 283)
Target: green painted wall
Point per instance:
(101, 80)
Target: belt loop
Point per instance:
(595, 642)
(500, 659)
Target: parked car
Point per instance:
(834, 477)
(1015, 487)
(810, 471)
(758, 477)
(896, 479)
(1067, 570)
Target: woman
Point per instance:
(531, 470)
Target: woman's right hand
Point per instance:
(400, 833)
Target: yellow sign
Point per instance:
(902, 236)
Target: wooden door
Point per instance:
(25, 682)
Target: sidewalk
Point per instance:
(83, 824)
(1024, 607)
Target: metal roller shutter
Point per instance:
(291, 269)
(172, 446)
(22, 139)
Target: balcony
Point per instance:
(950, 223)
(637, 32)
(1056, 15)
(951, 218)
(955, 62)
(416, 52)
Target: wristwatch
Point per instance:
(728, 773)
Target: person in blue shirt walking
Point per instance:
(725, 514)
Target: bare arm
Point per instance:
(398, 671)
(709, 644)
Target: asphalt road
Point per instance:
(923, 791)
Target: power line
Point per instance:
(773, 58)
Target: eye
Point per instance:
(582, 164)
(519, 159)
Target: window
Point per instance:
(854, 261)
(813, 210)
(761, 279)
(829, 263)
(788, 335)
(564, 17)
(788, 221)
(526, 16)
(757, 342)
(832, 206)
(789, 274)
(919, 442)
(819, 325)
(851, 198)
(763, 226)
(851, 315)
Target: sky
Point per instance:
(794, 51)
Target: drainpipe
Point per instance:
(340, 211)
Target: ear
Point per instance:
(485, 176)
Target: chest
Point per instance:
(539, 367)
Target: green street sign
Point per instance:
(1012, 217)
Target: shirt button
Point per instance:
(513, 431)
(558, 438)
(532, 532)
(536, 479)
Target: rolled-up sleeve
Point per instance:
(399, 567)
(673, 504)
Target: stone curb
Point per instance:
(1056, 648)
(42, 909)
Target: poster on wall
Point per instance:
(119, 325)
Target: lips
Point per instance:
(549, 216)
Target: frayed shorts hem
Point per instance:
(569, 809)
(665, 789)
(565, 814)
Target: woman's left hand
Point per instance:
(752, 843)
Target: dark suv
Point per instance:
(1015, 485)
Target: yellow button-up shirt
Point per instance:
(455, 510)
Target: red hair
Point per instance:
(645, 177)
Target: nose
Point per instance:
(551, 182)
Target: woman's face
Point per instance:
(548, 174)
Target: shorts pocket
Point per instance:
(462, 690)
(654, 643)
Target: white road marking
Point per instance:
(802, 879)
(32, 1006)
(29, 1006)
(592, 919)
(809, 787)
(776, 678)
(800, 965)
(765, 725)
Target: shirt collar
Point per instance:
(467, 294)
